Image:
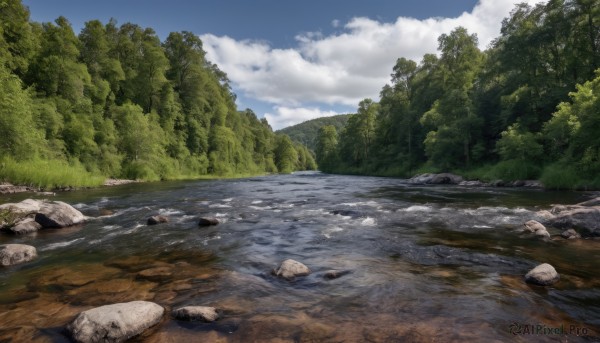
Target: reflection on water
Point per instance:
(419, 263)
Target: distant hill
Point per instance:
(306, 132)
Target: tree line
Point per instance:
(116, 101)
(526, 107)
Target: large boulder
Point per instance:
(116, 322)
(543, 275)
(57, 214)
(49, 214)
(586, 219)
(196, 313)
(11, 254)
(289, 269)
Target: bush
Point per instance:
(560, 176)
(517, 169)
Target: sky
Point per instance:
(291, 61)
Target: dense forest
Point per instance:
(527, 107)
(115, 101)
(306, 132)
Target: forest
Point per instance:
(528, 107)
(115, 101)
(306, 132)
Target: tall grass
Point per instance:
(47, 174)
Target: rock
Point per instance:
(586, 219)
(57, 214)
(155, 274)
(157, 220)
(118, 182)
(517, 183)
(208, 221)
(543, 275)
(570, 234)
(533, 184)
(537, 228)
(436, 179)
(289, 269)
(334, 274)
(591, 202)
(11, 254)
(13, 213)
(498, 183)
(8, 188)
(475, 183)
(196, 313)
(116, 322)
(544, 214)
(27, 225)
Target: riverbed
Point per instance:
(422, 263)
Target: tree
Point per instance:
(327, 148)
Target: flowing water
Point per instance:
(424, 263)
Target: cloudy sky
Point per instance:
(291, 61)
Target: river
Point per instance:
(425, 263)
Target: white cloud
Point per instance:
(287, 116)
(335, 23)
(345, 67)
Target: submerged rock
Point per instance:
(11, 254)
(543, 275)
(289, 269)
(157, 220)
(334, 274)
(570, 234)
(116, 322)
(208, 221)
(196, 313)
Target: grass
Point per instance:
(47, 174)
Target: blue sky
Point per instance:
(296, 60)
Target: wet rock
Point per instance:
(208, 221)
(57, 214)
(544, 214)
(116, 322)
(536, 228)
(289, 269)
(27, 225)
(8, 188)
(475, 183)
(118, 182)
(591, 202)
(335, 274)
(436, 179)
(11, 254)
(157, 220)
(586, 219)
(570, 234)
(196, 313)
(498, 183)
(543, 275)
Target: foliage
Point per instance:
(116, 101)
(306, 132)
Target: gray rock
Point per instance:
(536, 228)
(289, 269)
(208, 221)
(196, 313)
(11, 254)
(13, 213)
(157, 220)
(116, 322)
(27, 225)
(586, 219)
(498, 183)
(591, 202)
(570, 234)
(543, 275)
(57, 214)
(334, 274)
(436, 179)
(475, 183)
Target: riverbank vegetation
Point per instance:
(115, 101)
(527, 107)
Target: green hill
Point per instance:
(306, 132)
